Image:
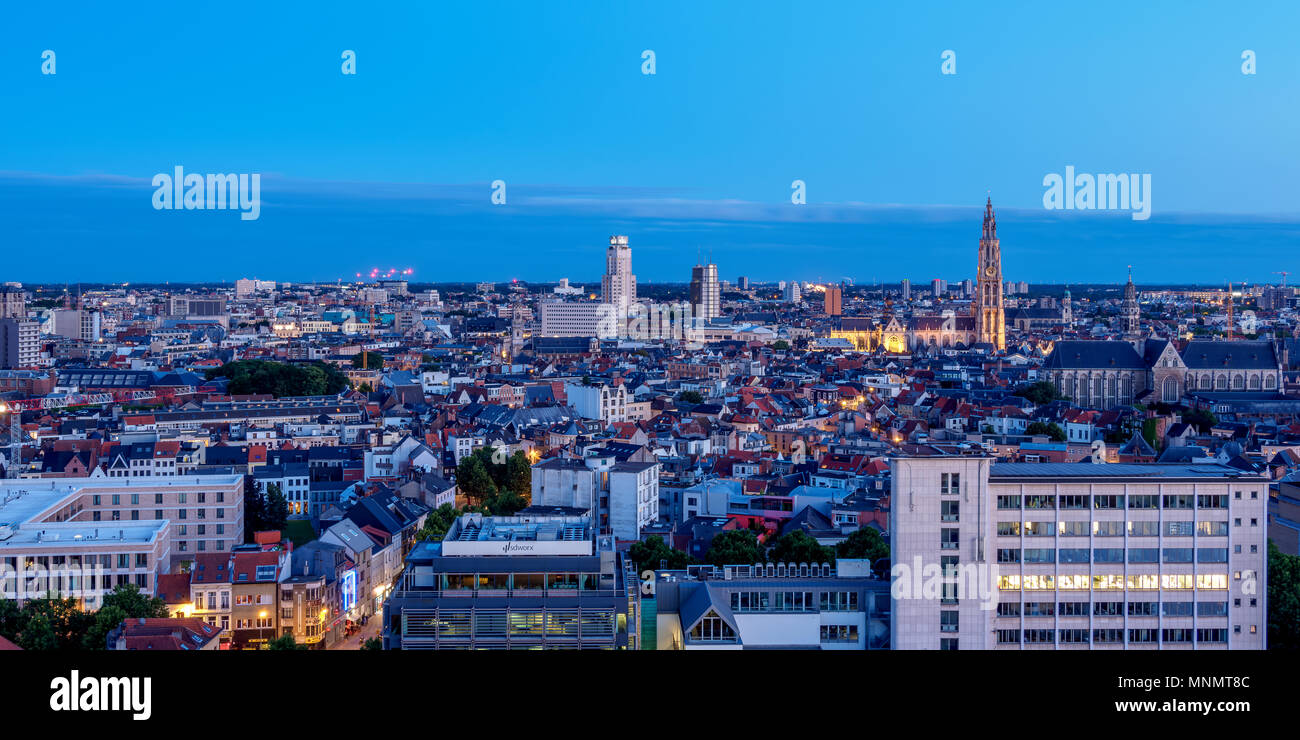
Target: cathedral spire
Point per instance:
(990, 221)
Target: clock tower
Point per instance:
(990, 323)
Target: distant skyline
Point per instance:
(392, 167)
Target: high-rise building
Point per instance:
(706, 295)
(907, 289)
(834, 299)
(938, 287)
(990, 321)
(618, 284)
(792, 293)
(20, 343)
(1128, 312)
(1025, 556)
(13, 301)
(742, 282)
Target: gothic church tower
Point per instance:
(990, 321)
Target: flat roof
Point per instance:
(1163, 471)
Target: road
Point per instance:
(368, 630)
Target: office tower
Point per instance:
(742, 282)
(938, 287)
(1077, 555)
(834, 298)
(618, 284)
(907, 289)
(706, 295)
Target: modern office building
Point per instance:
(145, 527)
(706, 293)
(78, 323)
(804, 606)
(618, 284)
(575, 319)
(513, 583)
(1077, 555)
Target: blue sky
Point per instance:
(391, 167)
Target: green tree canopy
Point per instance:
(285, 642)
(371, 360)
(734, 547)
(1052, 430)
(649, 555)
(691, 397)
(1283, 600)
(798, 547)
(280, 378)
(1204, 421)
(438, 522)
(864, 543)
(1041, 393)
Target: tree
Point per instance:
(691, 397)
(281, 379)
(374, 643)
(1283, 599)
(655, 554)
(437, 523)
(285, 642)
(474, 480)
(798, 547)
(780, 345)
(865, 543)
(1204, 421)
(1041, 393)
(518, 475)
(276, 508)
(38, 634)
(371, 360)
(1052, 430)
(734, 547)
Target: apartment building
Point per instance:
(256, 572)
(599, 400)
(621, 497)
(1030, 556)
(512, 583)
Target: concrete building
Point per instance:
(160, 523)
(20, 343)
(618, 284)
(802, 606)
(1077, 555)
(513, 583)
(574, 319)
(706, 294)
(622, 498)
(77, 323)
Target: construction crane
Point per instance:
(1283, 273)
